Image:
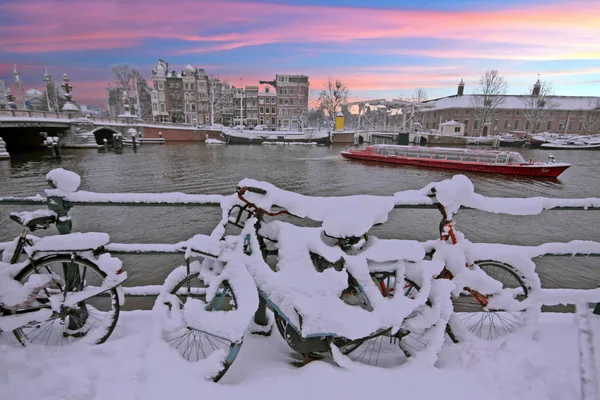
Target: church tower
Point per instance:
(18, 88)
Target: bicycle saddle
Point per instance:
(38, 219)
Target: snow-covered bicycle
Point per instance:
(59, 289)
(318, 283)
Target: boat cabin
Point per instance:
(451, 154)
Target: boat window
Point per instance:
(469, 158)
(501, 159)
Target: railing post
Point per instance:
(61, 207)
(587, 355)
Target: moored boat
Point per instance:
(238, 136)
(570, 145)
(477, 160)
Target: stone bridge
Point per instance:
(22, 129)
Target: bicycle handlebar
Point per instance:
(242, 190)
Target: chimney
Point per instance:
(461, 88)
(536, 88)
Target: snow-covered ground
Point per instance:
(133, 364)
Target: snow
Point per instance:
(26, 216)
(359, 210)
(133, 364)
(214, 141)
(66, 181)
(515, 102)
(76, 241)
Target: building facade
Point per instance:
(267, 107)
(193, 97)
(568, 114)
(292, 100)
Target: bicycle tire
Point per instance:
(76, 317)
(197, 336)
(507, 323)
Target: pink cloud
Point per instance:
(230, 25)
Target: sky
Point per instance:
(380, 49)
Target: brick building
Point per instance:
(190, 96)
(267, 107)
(570, 114)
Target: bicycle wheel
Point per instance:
(94, 318)
(193, 344)
(469, 315)
(382, 348)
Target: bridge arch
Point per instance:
(104, 132)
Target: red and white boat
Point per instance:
(477, 160)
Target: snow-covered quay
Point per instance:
(133, 365)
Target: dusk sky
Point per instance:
(379, 48)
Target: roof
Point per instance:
(34, 92)
(516, 102)
(451, 123)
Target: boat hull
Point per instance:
(545, 170)
(258, 139)
(554, 146)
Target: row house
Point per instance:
(292, 100)
(191, 96)
(569, 114)
(180, 96)
(267, 107)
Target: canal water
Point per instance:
(319, 171)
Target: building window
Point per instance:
(191, 86)
(527, 125)
(580, 125)
(434, 114)
(456, 112)
(516, 124)
(261, 110)
(427, 125)
(518, 113)
(161, 85)
(193, 105)
(171, 85)
(495, 124)
(162, 107)
(457, 129)
(466, 112)
(549, 128)
(272, 110)
(571, 125)
(187, 86)
(505, 124)
(466, 124)
(508, 112)
(537, 126)
(561, 125)
(476, 124)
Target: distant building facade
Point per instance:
(569, 114)
(292, 100)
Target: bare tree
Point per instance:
(333, 95)
(124, 77)
(591, 117)
(538, 104)
(419, 95)
(220, 98)
(488, 97)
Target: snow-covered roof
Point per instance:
(451, 123)
(70, 107)
(516, 102)
(34, 92)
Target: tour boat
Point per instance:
(489, 161)
(244, 136)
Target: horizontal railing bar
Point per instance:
(42, 200)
